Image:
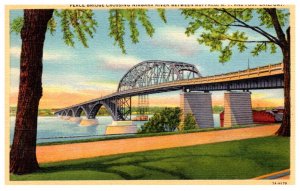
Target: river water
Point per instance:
(52, 129)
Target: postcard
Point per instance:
(150, 94)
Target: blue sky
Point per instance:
(91, 72)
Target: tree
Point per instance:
(171, 118)
(164, 121)
(189, 122)
(154, 125)
(223, 30)
(23, 150)
(33, 26)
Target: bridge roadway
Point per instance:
(266, 77)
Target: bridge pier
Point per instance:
(75, 119)
(89, 122)
(65, 117)
(121, 127)
(200, 105)
(237, 109)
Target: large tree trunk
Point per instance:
(23, 151)
(285, 128)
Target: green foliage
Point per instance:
(52, 25)
(218, 109)
(132, 24)
(144, 19)
(264, 47)
(117, 28)
(220, 29)
(134, 110)
(81, 24)
(162, 14)
(189, 122)
(266, 20)
(154, 125)
(102, 112)
(16, 25)
(117, 18)
(150, 110)
(65, 23)
(41, 112)
(258, 48)
(164, 121)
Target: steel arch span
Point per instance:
(153, 72)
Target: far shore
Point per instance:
(102, 112)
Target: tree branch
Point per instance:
(214, 20)
(277, 26)
(249, 41)
(259, 48)
(256, 29)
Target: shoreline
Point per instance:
(96, 116)
(141, 135)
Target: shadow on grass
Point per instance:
(228, 160)
(109, 166)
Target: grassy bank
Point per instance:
(104, 138)
(241, 159)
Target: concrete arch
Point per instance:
(96, 107)
(64, 113)
(94, 110)
(70, 113)
(79, 111)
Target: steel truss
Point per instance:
(155, 72)
(143, 104)
(124, 108)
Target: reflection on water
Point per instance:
(51, 129)
(92, 130)
(217, 120)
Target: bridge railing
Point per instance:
(250, 73)
(244, 74)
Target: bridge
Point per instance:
(155, 76)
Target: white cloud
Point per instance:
(15, 51)
(114, 62)
(14, 79)
(54, 88)
(199, 68)
(107, 86)
(76, 82)
(173, 37)
(47, 55)
(56, 55)
(63, 79)
(14, 72)
(273, 93)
